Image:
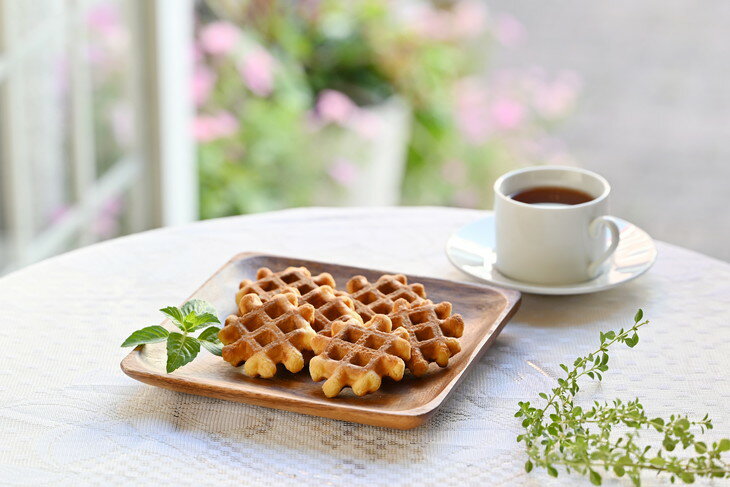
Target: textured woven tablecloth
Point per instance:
(68, 415)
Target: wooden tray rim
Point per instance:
(134, 366)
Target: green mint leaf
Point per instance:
(197, 306)
(150, 334)
(181, 350)
(528, 466)
(595, 478)
(175, 315)
(639, 315)
(194, 322)
(724, 445)
(209, 339)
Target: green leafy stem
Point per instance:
(182, 348)
(579, 439)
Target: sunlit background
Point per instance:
(120, 116)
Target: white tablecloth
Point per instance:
(68, 415)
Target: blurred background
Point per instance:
(118, 116)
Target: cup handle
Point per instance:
(594, 230)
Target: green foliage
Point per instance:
(281, 154)
(181, 347)
(561, 433)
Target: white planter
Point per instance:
(379, 158)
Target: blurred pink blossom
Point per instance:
(333, 106)
(469, 19)
(219, 38)
(366, 124)
(472, 105)
(202, 83)
(555, 99)
(58, 213)
(465, 19)
(106, 224)
(507, 114)
(509, 31)
(104, 17)
(343, 171)
(257, 71)
(211, 127)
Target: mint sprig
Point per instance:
(605, 438)
(181, 347)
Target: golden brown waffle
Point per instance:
(359, 356)
(329, 305)
(267, 334)
(269, 283)
(378, 298)
(432, 332)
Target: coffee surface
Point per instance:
(551, 195)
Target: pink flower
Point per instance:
(219, 38)
(333, 106)
(202, 84)
(207, 128)
(507, 114)
(107, 222)
(509, 31)
(257, 71)
(553, 100)
(343, 171)
(104, 17)
(469, 19)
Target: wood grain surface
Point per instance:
(402, 405)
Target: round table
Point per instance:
(68, 414)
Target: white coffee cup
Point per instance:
(553, 244)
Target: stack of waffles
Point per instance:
(351, 338)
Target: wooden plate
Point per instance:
(403, 405)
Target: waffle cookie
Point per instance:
(269, 283)
(432, 332)
(379, 297)
(267, 334)
(329, 304)
(359, 356)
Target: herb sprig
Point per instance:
(182, 348)
(561, 433)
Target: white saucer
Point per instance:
(471, 249)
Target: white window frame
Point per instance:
(160, 173)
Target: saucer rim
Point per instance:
(562, 290)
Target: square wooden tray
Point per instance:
(403, 405)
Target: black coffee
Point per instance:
(551, 195)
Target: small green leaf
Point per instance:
(209, 339)
(198, 306)
(528, 466)
(619, 470)
(180, 350)
(724, 445)
(195, 322)
(150, 334)
(543, 395)
(639, 315)
(700, 447)
(595, 478)
(175, 315)
(552, 471)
